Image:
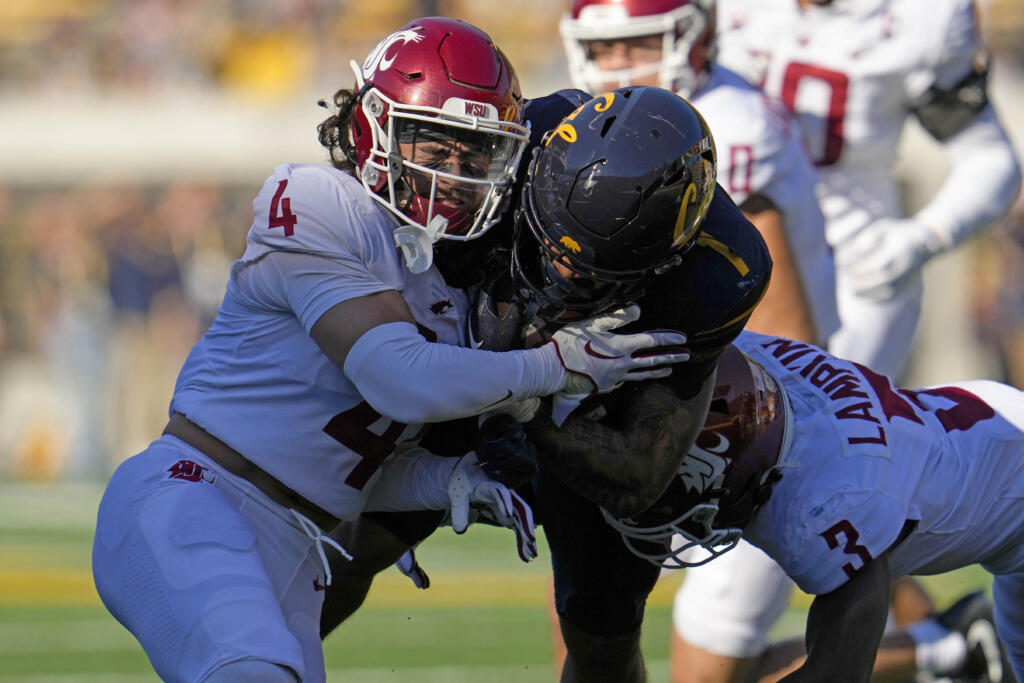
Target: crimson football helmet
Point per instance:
(687, 29)
(437, 132)
(613, 196)
(726, 475)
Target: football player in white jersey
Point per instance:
(849, 482)
(853, 71)
(761, 160)
(301, 405)
(763, 165)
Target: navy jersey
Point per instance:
(711, 294)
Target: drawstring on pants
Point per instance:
(316, 534)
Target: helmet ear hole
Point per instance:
(720, 406)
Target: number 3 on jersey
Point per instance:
(281, 215)
(850, 536)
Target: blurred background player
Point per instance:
(301, 405)
(853, 72)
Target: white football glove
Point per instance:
(469, 487)
(408, 565)
(884, 257)
(599, 360)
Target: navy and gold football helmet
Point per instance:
(613, 196)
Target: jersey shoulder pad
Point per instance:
(712, 293)
(945, 38)
(732, 251)
(317, 209)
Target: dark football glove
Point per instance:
(504, 452)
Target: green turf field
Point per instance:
(483, 619)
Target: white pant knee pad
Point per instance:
(727, 606)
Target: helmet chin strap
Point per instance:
(417, 244)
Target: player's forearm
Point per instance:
(982, 184)
(624, 470)
(412, 479)
(844, 628)
(784, 310)
(408, 379)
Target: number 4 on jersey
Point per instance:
(281, 215)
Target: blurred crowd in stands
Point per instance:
(261, 48)
(104, 288)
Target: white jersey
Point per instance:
(760, 152)
(864, 459)
(849, 71)
(259, 382)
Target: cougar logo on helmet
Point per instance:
(702, 466)
(378, 59)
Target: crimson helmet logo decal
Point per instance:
(378, 60)
(703, 466)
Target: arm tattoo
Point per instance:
(624, 470)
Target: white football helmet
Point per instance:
(687, 28)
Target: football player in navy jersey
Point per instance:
(603, 199)
(619, 206)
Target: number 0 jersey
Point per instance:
(850, 71)
(259, 382)
(868, 465)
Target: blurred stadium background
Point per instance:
(133, 135)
